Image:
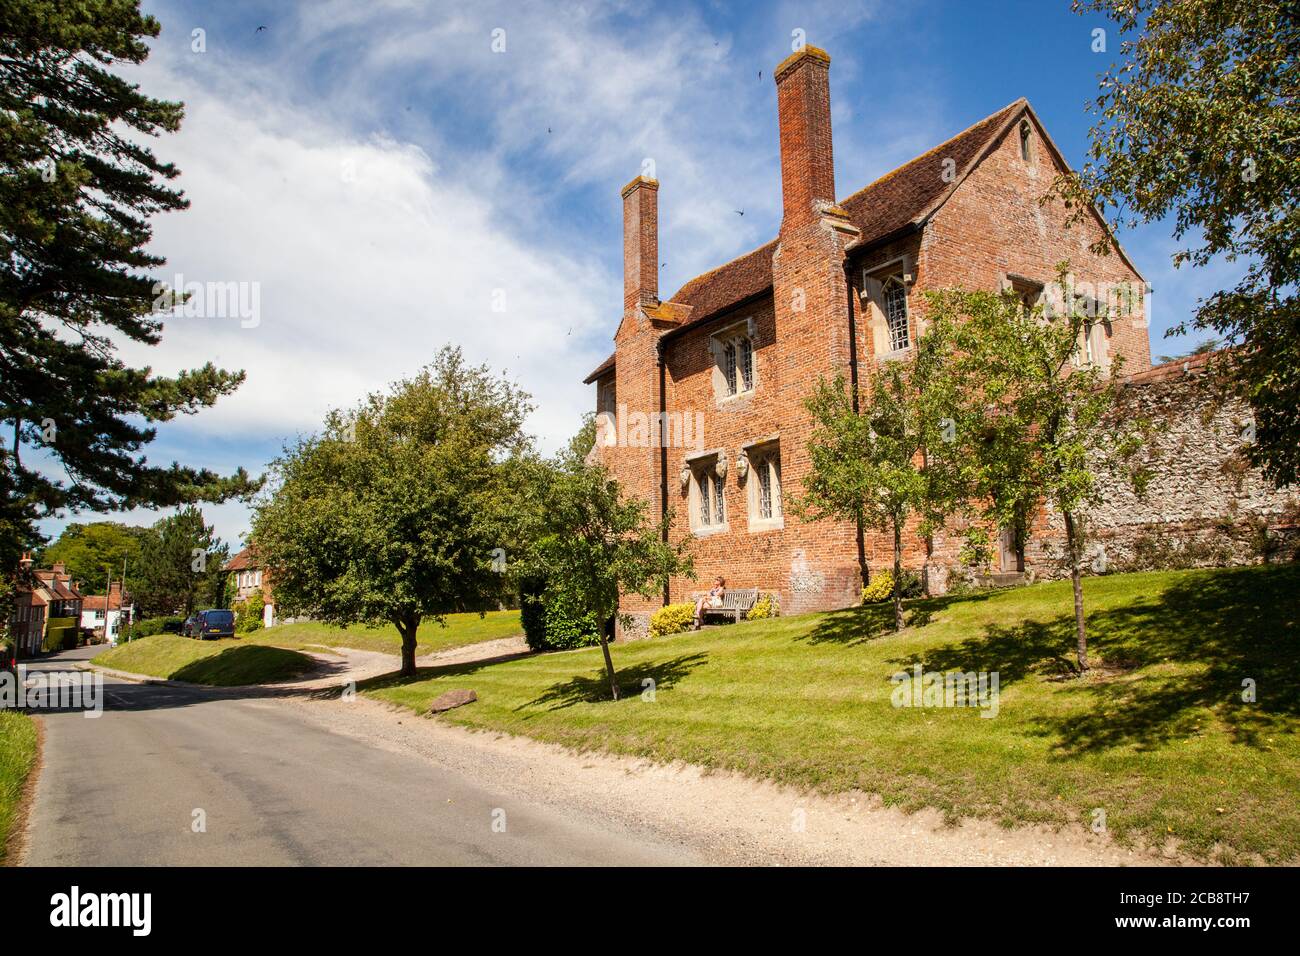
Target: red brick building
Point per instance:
(251, 578)
(729, 359)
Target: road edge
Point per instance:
(16, 842)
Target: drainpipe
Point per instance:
(663, 451)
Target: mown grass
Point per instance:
(225, 663)
(459, 630)
(17, 757)
(1157, 735)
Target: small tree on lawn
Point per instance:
(400, 510)
(889, 461)
(1035, 421)
(590, 542)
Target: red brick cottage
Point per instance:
(729, 359)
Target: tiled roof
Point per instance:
(905, 196)
(1192, 365)
(911, 192)
(96, 602)
(600, 370)
(245, 559)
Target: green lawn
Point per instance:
(225, 663)
(1158, 736)
(17, 755)
(460, 629)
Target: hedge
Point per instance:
(554, 620)
(60, 634)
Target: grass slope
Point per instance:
(459, 630)
(225, 663)
(17, 756)
(1158, 736)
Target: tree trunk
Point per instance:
(407, 630)
(898, 576)
(1073, 547)
(609, 662)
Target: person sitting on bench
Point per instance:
(712, 599)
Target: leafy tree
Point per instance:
(78, 186)
(90, 551)
(1199, 121)
(181, 565)
(1033, 421)
(590, 544)
(401, 509)
(888, 461)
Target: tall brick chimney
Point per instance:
(640, 243)
(803, 100)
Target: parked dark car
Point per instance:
(187, 629)
(214, 623)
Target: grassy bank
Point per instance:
(1157, 736)
(460, 629)
(17, 757)
(219, 663)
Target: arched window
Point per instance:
(1024, 140)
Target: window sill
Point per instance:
(724, 399)
(895, 356)
(760, 525)
(708, 530)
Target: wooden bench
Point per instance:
(736, 603)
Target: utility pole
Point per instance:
(122, 604)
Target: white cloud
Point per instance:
(471, 172)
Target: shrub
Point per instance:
(879, 588)
(672, 619)
(912, 586)
(568, 624)
(156, 625)
(249, 614)
(60, 634)
(532, 612)
(553, 619)
(769, 605)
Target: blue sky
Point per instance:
(385, 177)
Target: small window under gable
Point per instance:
(1026, 139)
(885, 298)
(733, 353)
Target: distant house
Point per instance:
(42, 595)
(107, 613)
(251, 578)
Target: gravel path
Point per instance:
(725, 818)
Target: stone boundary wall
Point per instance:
(1204, 506)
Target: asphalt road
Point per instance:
(273, 788)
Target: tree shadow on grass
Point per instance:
(247, 664)
(1231, 627)
(1217, 628)
(858, 625)
(595, 689)
(463, 669)
(1013, 652)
